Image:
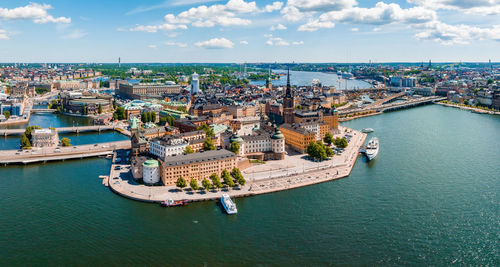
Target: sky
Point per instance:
(168, 31)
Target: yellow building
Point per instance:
(196, 166)
(297, 137)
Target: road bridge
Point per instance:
(43, 110)
(62, 153)
(79, 129)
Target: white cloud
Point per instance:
(292, 13)
(377, 29)
(277, 27)
(175, 44)
(321, 5)
(380, 14)
(482, 7)
(274, 6)
(152, 46)
(268, 35)
(155, 28)
(33, 11)
(243, 42)
(298, 42)
(210, 16)
(215, 43)
(456, 34)
(314, 25)
(276, 41)
(75, 34)
(3, 35)
(355, 29)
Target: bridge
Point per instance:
(79, 129)
(385, 100)
(392, 106)
(43, 110)
(62, 153)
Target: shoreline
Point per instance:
(121, 183)
(477, 110)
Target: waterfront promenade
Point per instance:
(292, 172)
(63, 153)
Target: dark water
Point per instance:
(430, 198)
(304, 78)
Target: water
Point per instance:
(304, 78)
(430, 197)
(46, 120)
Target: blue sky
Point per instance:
(249, 31)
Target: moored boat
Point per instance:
(228, 204)
(171, 203)
(372, 147)
(367, 130)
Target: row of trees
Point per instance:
(229, 179)
(119, 113)
(148, 117)
(319, 151)
(170, 120)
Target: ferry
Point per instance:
(371, 150)
(228, 204)
(367, 130)
(171, 203)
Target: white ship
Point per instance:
(228, 204)
(367, 130)
(371, 150)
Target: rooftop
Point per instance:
(198, 157)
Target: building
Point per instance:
(151, 172)
(88, 104)
(288, 102)
(245, 125)
(195, 84)
(140, 145)
(196, 166)
(261, 145)
(44, 138)
(167, 146)
(496, 99)
(297, 137)
(147, 90)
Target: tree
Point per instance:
(318, 150)
(340, 142)
(84, 109)
(25, 142)
(163, 121)
(29, 129)
(99, 109)
(114, 103)
(208, 144)
(208, 131)
(194, 184)
(226, 177)
(206, 184)
(6, 114)
(188, 150)
(65, 141)
(235, 147)
(328, 139)
(181, 183)
(143, 117)
(171, 121)
(237, 176)
(153, 116)
(215, 180)
(120, 113)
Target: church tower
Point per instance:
(288, 102)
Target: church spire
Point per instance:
(288, 89)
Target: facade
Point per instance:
(76, 103)
(151, 172)
(261, 145)
(44, 138)
(167, 146)
(147, 90)
(196, 166)
(288, 102)
(140, 145)
(496, 99)
(195, 84)
(297, 137)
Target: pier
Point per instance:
(62, 153)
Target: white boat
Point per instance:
(228, 204)
(367, 130)
(372, 147)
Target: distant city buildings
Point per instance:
(195, 83)
(147, 90)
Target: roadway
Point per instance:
(61, 153)
(79, 129)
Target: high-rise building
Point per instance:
(195, 84)
(288, 102)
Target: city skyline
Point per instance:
(211, 31)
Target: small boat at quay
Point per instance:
(371, 150)
(228, 204)
(171, 203)
(367, 130)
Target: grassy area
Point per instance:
(257, 161)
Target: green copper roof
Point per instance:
(151, 163)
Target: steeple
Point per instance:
(288, 89)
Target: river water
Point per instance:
(304, 78)
(430, 197)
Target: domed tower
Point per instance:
(278, 143)
(239, 140)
